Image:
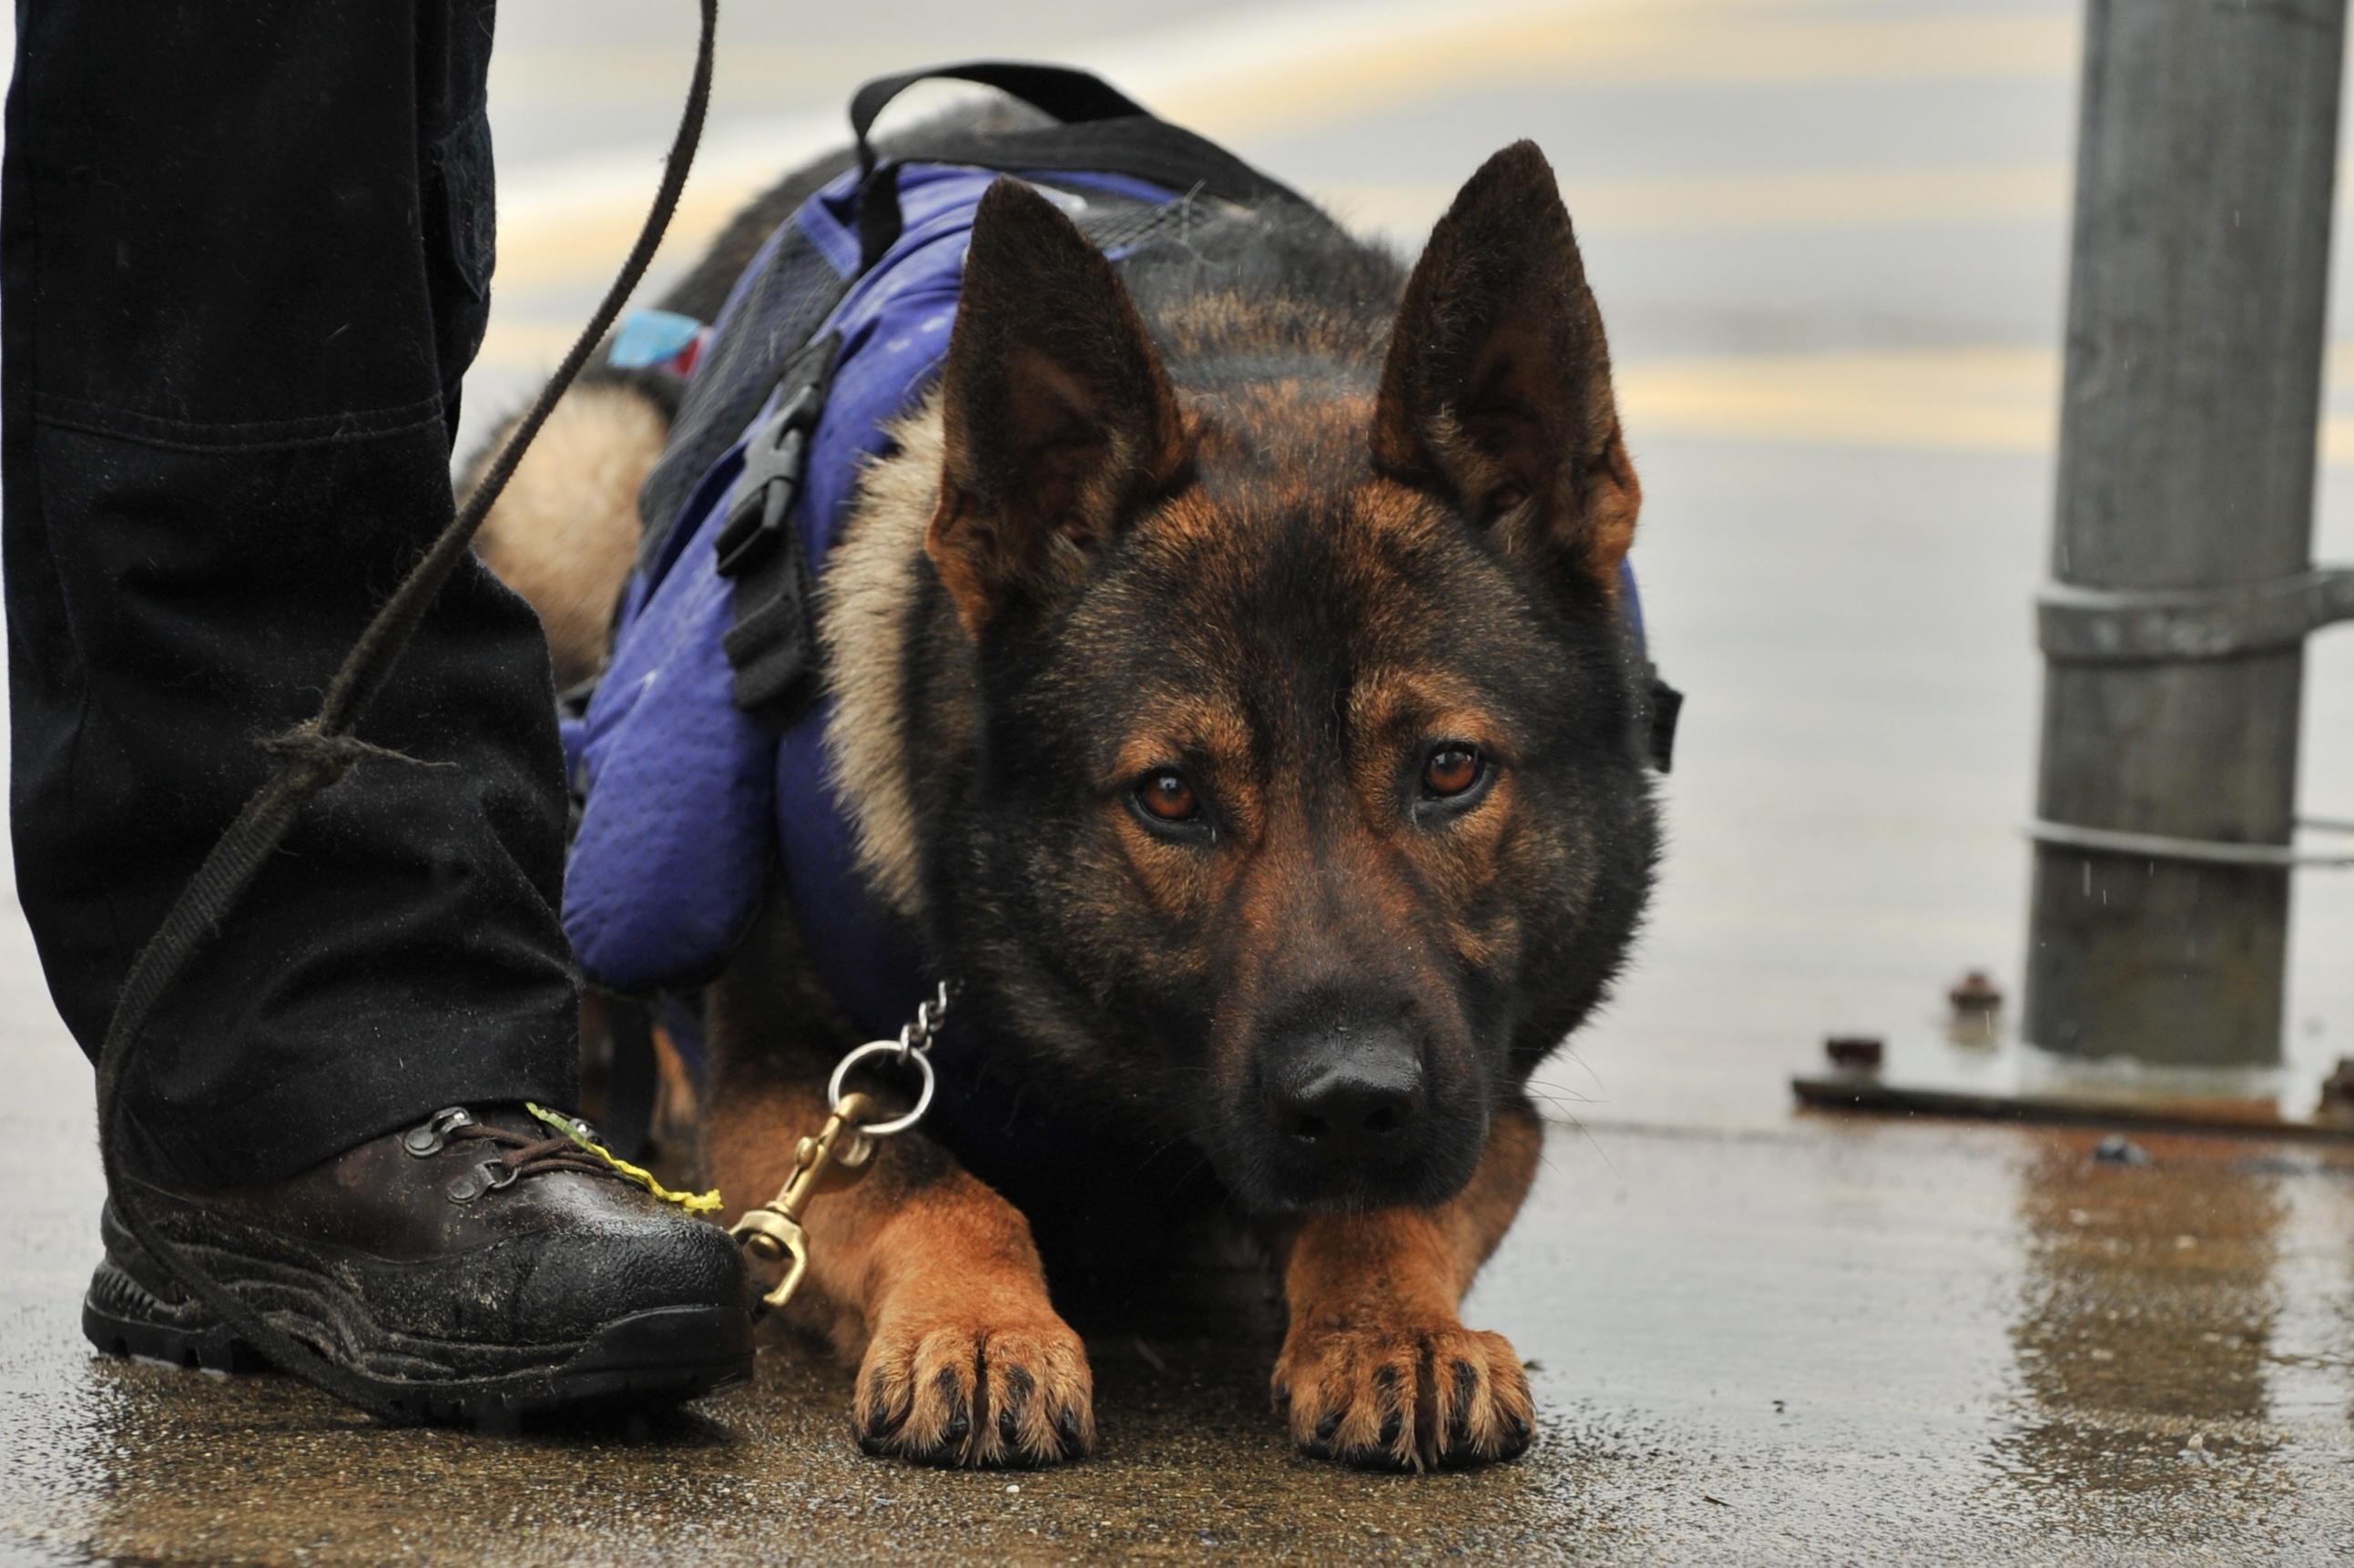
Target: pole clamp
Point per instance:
(2134, 626)
(2210, 852)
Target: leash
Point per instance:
(315, 755)
(773, 1232)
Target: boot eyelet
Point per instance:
(488, 1177)
(424, 1142)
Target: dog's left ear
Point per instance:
(1057, 414)
(1497, 391)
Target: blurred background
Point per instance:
(1829, 240)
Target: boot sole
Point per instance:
(657, 1357)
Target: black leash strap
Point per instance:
(317, 753)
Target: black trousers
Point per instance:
(245, 252)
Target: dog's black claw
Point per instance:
(1457, 1419)
(1019, 1389)
(1068, 1423)
(1392, 1424)
(879, 1423)
(1326, 1428)
(959, 1425)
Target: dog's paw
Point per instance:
(976, 1395)
(1391, 1397)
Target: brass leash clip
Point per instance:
(846, 1142)
(773, 1232)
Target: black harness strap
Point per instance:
(1073, 97)
(1667, 706)
(1102, 129)
(772, 643)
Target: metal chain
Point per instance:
(773, 1232)
(914, 1045)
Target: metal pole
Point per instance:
(2196, 309)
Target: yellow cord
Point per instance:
(692, 1202)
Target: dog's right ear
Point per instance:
(1057, 415)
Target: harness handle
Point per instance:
(1073, 97)
(1070, 96)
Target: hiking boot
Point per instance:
(472, 1266)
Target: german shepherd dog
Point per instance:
(1233, 693)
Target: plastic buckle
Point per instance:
(774, 459)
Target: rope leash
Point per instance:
(314, 755)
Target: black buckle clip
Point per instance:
(773, 460)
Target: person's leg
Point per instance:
(244, 256)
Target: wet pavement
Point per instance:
(1828, 238)
(1839, 1341)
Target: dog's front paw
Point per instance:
(1397, 1397)
(968, 1391)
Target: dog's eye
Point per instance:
(1502, 501)
(1166, 794)
(1450, 770)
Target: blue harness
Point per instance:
(694, 798)
(692, 802)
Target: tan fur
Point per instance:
(926, 1279)
(1377, 1358)
(864, 623)
(564, 532)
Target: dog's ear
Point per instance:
(1497, 391)
(1057, 415)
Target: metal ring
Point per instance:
(884, 1047)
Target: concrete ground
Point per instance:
(1829, 238)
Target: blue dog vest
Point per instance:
(692, 802)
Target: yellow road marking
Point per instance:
(575, 248)
(1971, 399)
(524, 343)
(1810, 198)
(1651, 43)
(581, 248)
(1260, 76)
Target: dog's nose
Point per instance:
(1346, 1094)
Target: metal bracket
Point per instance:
(2128, 626)
(2213, 852)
